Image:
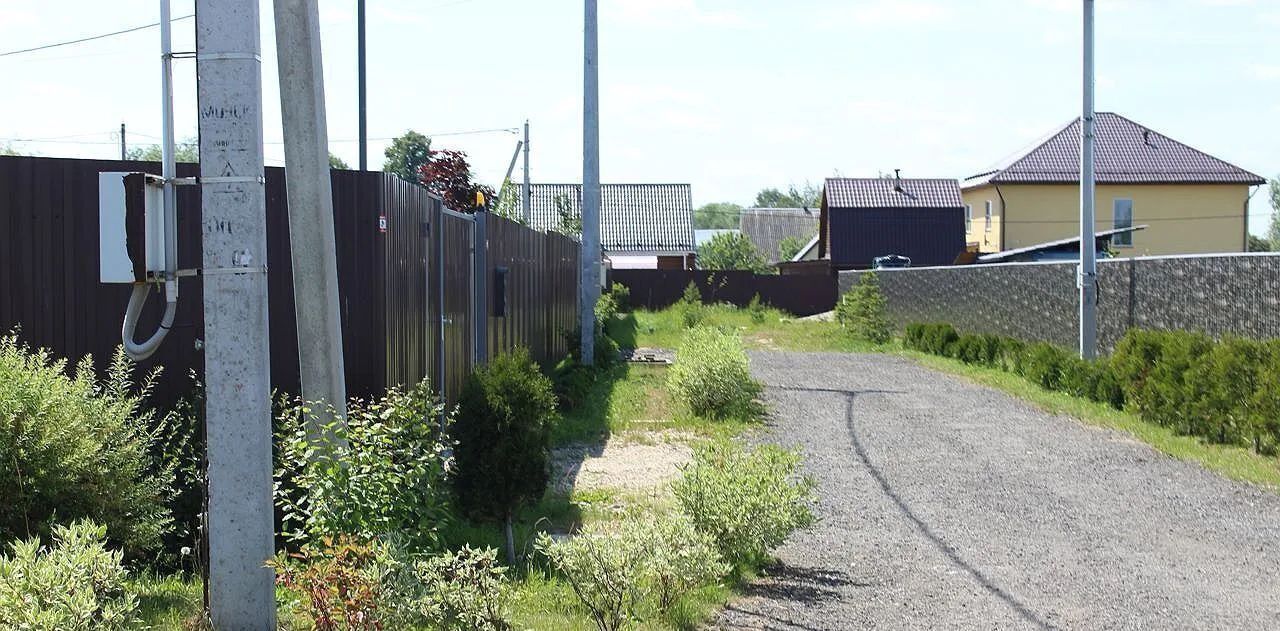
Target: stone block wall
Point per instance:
(1229, 294)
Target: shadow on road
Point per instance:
(985, 581)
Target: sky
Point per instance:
(731, 96)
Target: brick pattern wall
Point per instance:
(1236, 294)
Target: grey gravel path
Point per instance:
(948, 505)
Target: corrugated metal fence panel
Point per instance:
(389, 288)
(410, 341)
(541, 290)
(458, 290)
(800, 295)
(49, 287)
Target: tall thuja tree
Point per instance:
(447, 174)
(503, 429)
(406, 154)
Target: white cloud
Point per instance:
(1265, 71)
(911, 13)
(671, 12)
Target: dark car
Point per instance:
(889, 262)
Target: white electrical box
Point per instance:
(130, 227)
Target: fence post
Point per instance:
(480, 282)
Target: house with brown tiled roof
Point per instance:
(866, 218)
(1190, 201)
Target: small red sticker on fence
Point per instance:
(382, 223)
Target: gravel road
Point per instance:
(948, 505)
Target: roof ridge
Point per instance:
(1182, 144)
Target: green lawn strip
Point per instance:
(167, 602)
(776, 331)
(1233, 462)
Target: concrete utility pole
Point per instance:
(526, 210)
(237, 357)
(311, 238)
(589, 276)
(1087, 278)
(364, 102)
(123, 151)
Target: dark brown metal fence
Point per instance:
(541, 290)
(800, 295)
(389, 282)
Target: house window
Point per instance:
(988, 215)
(1122, 214)
(968, 218)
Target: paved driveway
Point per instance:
(948, 505)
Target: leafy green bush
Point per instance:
(74, 449)
(861, 311)
(605, 568)
(76, 584)
(621, 295)
(621, 571)
(1044, 364)
(606, 352)
(460, 590)
(380, 473)
(1265, 400)
(1224, 391)
(503, 431)
(711, 374)
(690, 307)
(683, 559)
(757, 310)
(338, 580)
(749, 502)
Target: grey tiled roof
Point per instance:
(844, 192)
(1125, 153)
(633, 217)
(767, 227)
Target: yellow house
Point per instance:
(1190, 201)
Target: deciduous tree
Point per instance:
(731, 251)
(406, 155)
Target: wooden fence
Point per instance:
(407, 295)
(800, 295)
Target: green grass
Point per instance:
(168, 602)
(775, 331)
(1233, 462)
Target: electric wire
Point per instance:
(92, 37)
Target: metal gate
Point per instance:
(455, 307)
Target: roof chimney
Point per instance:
(897, 180)
(1146, 137)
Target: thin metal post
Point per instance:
(589, 279)
(480, 281)
(364, 101)
(1087, 277)
(525, 210)
(312, 245)
(236, 346)
(123, 151)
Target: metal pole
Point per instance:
(312, 244)
(525, 210)
(1088, 273)
(589, 279)
(364, 121)
(236, 346)
(123, 152)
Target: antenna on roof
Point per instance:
(897, 180)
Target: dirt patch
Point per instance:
(635, 461)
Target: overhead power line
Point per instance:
(93, 37)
